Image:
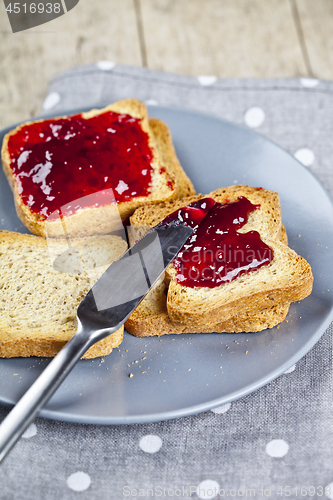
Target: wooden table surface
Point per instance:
(226, 38)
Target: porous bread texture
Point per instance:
(38, 303)
(266, 220)
(164, 185)
(259, 298)
(151, 318)
(145, 218)
(287, 278)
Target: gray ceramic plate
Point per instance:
(188, 374)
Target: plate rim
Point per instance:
(236, 394)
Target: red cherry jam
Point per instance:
(191, 215)
(58, 161)
(216, 253)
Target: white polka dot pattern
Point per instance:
(207, 80)
(208, 489)
(150, 443)
(30, 432)
(221, 409)
(254, 117)
(309, 82)
(51, 100)
(277, 448)
(105, 65)
(291, 369)
(305, 156)
(79, 481)
(151, 102)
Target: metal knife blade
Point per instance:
(126, 282)
(103, 311)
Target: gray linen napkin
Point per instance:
(276, 442)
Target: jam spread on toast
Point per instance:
(216, 252)
(192, 214)
(60, 160)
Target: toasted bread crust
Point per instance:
(166, 151)
(167, 174)
(19, 343)
(151, 318)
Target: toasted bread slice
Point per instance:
(38, 303)
(151, 318)
(268, 221)
(167, 180)
(286, 279)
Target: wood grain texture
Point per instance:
(243, 38)
(228, 38)
(92, 31)
(316, 19)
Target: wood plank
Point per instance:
(316, 19)
(243, 38)
(92, 31)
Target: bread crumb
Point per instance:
(245, 353)
(143, 372)
(131, 375)
(189, 369)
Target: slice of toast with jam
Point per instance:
(80, 167)
(234, 292)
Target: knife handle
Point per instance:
(18, 419)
